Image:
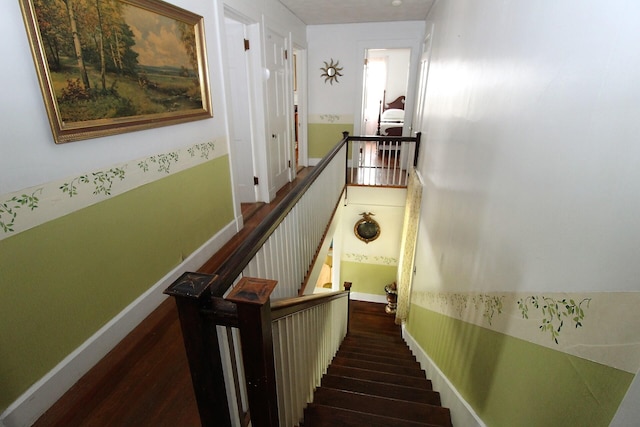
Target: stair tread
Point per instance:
(377, 358)
(367, 374)
(399, 354)
(325, 416)
(376, 334)
(381, 389)
(380, 367)
(384, 406)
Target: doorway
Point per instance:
(386, 79)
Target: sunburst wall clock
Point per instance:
(331, 71)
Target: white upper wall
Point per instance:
(28, 154)
(274, 15)
(531, 147)
(346, 43)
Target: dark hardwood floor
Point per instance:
(145, 380)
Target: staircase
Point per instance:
(374, 380)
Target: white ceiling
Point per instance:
(313, 12)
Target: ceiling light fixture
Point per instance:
(396, 2)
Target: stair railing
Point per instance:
(307, 333)
(282, 248)
(381, 160)
(236, 384)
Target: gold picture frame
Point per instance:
(112, 66)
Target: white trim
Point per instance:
(359, 296)
(462, 414)
(313, 161)
(46, 391)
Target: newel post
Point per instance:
(192, 293)
(347, 287)
(251, 297)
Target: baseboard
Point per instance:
(359, 296)
(314, 161)
(46, 391)
(462, 414)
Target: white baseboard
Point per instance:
(46, 391)
(462, 414)
(314, 161)
(359, 296)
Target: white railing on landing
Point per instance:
(381, 160)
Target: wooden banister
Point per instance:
(251, 296)
(233, 266)
(288, 306)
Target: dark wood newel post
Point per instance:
(251, 297)
(192, 293)
(347, 287)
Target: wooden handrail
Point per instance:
(285, 307)
(231, 268)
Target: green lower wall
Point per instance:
(324, 136)
(63, 280)
(367, 278)
(511, 382)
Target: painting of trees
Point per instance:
(119, 59)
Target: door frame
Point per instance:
(257, 123)
(416, 50)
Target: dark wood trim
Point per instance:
(285, 307)
(382, 138)
(254, 321)
(240, 258)
(191, 294)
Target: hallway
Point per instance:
(145, 379)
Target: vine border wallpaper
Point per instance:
(370, 259)
(593, 326)
(27, 208)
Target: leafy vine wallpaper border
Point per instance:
(25, 209)
(555, 312)
(591, 325)
(370, 259)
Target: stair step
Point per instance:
(380, 367)
(365, 374)
(378, 359)
(377, 339)
(374, 388)
(325, 416)
(401, 353)
(394, 408)
(376, 335)
(360, 307)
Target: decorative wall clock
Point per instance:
(367, 229)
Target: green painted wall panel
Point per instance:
(324, 136)
(63, 280)
(511, 382)
(367, 278)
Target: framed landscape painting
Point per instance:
(113, 66)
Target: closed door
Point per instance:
(279, 145)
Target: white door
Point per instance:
(279, 141)
(240, 114)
